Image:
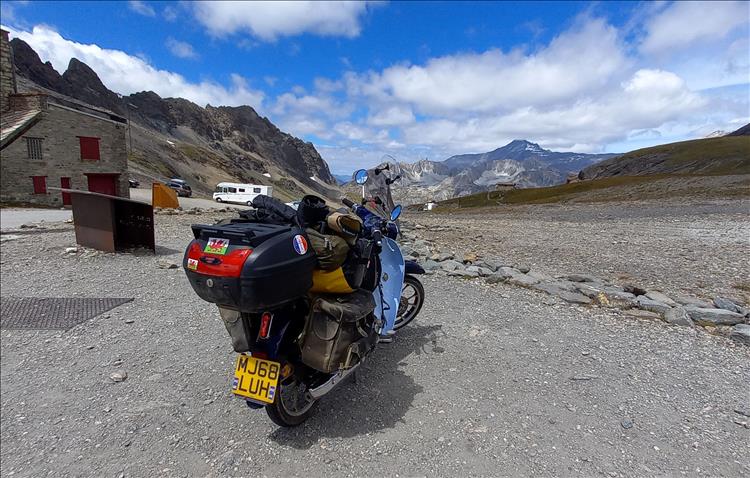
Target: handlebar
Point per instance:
(347, 202)
(387, 167)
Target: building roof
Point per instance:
(14, 123)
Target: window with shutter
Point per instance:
(34, 148)
(40, 184)
(89, 148)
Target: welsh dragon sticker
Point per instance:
(216, 245)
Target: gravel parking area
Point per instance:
(490, 380)
(700, 249)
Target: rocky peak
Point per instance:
(29, 65)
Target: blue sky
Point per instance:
(423, 79)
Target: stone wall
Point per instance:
(61, 157)
(7, 84)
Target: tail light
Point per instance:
(265, 325)
(223, 265)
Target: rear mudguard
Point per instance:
(413, 268)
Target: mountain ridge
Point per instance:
(234, 143)
(520, 162)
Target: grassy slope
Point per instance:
(724, 155)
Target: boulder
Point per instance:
(610, 298)
(555, 287)
(487, 265)
(727, 304)
(430, 265)
(482, 271)
(503, 274)
(573, 297)
(463, 273)
(741, 334)
(495, 264)
(523, 268)
(678, 316)
(580, 278)
(443, 256)
(451, 265)
(485, 271)
(645, 303)
(540, 276)
(692, 301)
(659, 297)
(714, 316)
(522, 280)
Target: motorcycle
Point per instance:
(295, 347)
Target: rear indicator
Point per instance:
(228, 264)
(265, 325)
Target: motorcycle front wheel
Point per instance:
(293, 405)
(412, 299)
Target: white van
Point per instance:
(240, 193)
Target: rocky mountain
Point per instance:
(716, 134)
(744, 131)
(175, 137)
(520, 162)
(710, 156)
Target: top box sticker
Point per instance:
(216, 245)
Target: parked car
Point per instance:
(181, 187)
(133, 183)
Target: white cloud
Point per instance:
(579, 61)
(392, 116)
(683, 24)
(180, 49)
(127, 74)
(170, 13)
(649, 99)
(269, 20)
(141, 8)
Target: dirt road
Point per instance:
(491, 380)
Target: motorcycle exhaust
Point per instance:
(332, 382)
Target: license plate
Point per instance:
(255, 378)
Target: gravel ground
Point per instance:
(489, 380)
(698, 248)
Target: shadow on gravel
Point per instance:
(380, 397)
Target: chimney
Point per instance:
(7, 71)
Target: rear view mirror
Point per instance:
(361, 177)
(396, 212)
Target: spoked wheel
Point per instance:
(293, 405)
(412, 298)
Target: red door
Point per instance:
(103, 183)
(65, 184)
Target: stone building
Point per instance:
(49, 141)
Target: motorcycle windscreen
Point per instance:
(391, 283)
(377, 187)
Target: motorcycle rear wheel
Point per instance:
(410, 303)
(293, 405)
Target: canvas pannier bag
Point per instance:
(339, 331)
(330, 249)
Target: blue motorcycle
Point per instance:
(299, 326)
